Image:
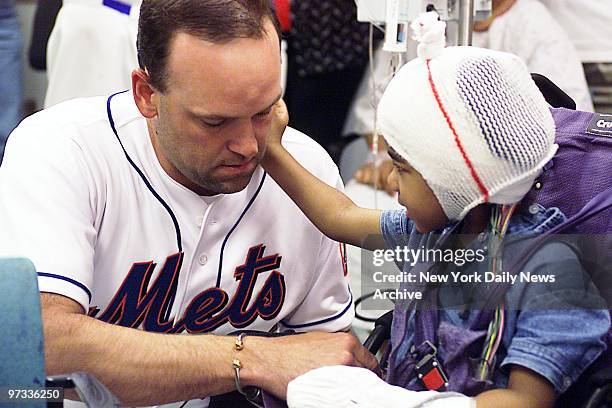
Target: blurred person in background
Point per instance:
(589, 26)
(522, 27)
(92, 49)
(527, 29)
(11, 89)
(327, 52)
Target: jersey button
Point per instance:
(199, 221)
(203, 259)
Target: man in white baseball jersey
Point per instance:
(148, 209)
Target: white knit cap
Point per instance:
(471, 121)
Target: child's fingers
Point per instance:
(280, 117)
(364, 174)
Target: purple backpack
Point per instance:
(578, 180)
(581, 169)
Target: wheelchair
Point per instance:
(593, 389)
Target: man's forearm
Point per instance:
(142, 368)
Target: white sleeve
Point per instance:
(546, 48)
(559, 61)
(328, 306)
(46, 209)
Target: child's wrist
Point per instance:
(274, 151)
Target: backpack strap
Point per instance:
(429, 370)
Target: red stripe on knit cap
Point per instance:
(479, 182)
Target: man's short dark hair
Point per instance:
(217, 21)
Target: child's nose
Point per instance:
(392, 182)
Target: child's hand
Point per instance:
(280, 119)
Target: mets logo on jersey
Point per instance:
(136, 303)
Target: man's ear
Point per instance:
(145, 96)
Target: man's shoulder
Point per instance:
(308, 152)
(66, 119)
(84, 121)
(78, 129)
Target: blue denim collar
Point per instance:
(535, 221)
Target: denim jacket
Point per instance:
(555, 341)
(7, 8)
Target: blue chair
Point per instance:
(22, 351)
(22, 357)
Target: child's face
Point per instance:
(421, 204)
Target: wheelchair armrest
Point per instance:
(381, 332)
(91, 391)
(552, 93)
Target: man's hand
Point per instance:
(366, 175)
(284, 358)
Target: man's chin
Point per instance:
(233, 185)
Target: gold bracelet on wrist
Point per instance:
(250, 393)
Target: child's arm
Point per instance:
(525, 389)
(330, 210)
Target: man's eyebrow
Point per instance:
(221, 117)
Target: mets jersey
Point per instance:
(83, 195)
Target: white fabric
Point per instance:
(284, 66)
(72, 203)
(91, 50)
(529, 31)
(350, 387)
(504, 129)
(588, 24)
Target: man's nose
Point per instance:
(244, 141)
